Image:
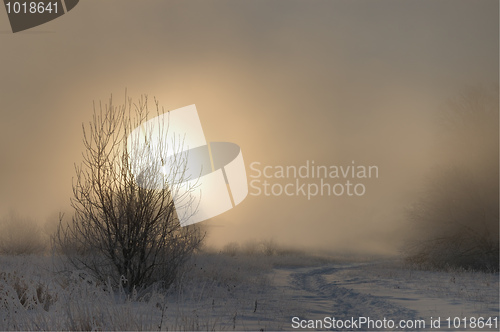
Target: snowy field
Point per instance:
(250, 292)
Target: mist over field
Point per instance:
(333, 82)
(369, 132)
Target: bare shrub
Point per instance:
(231, 249)
(455, 224)
(251, 247)
(456, 221)
(20, 236)
(269, 247)
(124, 227)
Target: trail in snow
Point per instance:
(247, 293)
(372, 290)
(317, 297)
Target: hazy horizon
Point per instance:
(290, 82)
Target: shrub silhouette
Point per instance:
(122, 229)
(455, 221)
(20, 236)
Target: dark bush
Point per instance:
(455, 223)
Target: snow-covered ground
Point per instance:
(251, 292)
(381, 290)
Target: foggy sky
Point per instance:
(288, 81)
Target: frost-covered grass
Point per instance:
(456, 283)
(33, 297)
(214, 291)
(243, 289)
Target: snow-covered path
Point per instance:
(352, 290)
(252, 293)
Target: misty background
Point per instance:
(288, 81)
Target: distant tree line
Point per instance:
(455, 222)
